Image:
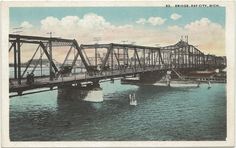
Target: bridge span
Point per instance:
(97, 61)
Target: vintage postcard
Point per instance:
(117, 73)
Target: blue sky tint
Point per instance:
(117, 15)
(205, 26)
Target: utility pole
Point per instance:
(124, 53)
(17, 54)
(50, 53)
(50, 34)
(96, 39)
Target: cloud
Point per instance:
(151, 20)
(75, 26)
(208, 35)
(69, 20)
(175, 16)
(156, 21)
(92, 20)
(141, 21)
(203, 25)
(26, 25)
(49, 22)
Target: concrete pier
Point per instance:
(91, 92)
(144, 78)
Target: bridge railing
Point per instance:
(102, 75)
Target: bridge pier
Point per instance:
(151, 77)
(20, 93)
(145, 78)
(91, 92)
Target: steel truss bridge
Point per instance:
(107, 61)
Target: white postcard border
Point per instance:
(230, 53)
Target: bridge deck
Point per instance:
(42, 82)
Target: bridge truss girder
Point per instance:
(43, 43)
(123, 56)
(116, 56)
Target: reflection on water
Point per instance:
(161, 114)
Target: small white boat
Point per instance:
(209, 84)
(133, 100)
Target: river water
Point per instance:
(161, 114)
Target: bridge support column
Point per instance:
(19, 93)
(91, 92)
(50, 61)
(15, 61)
(96, 83)
(151, 77)
(145, 78)
(19, 60)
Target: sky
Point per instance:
(150, 26)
